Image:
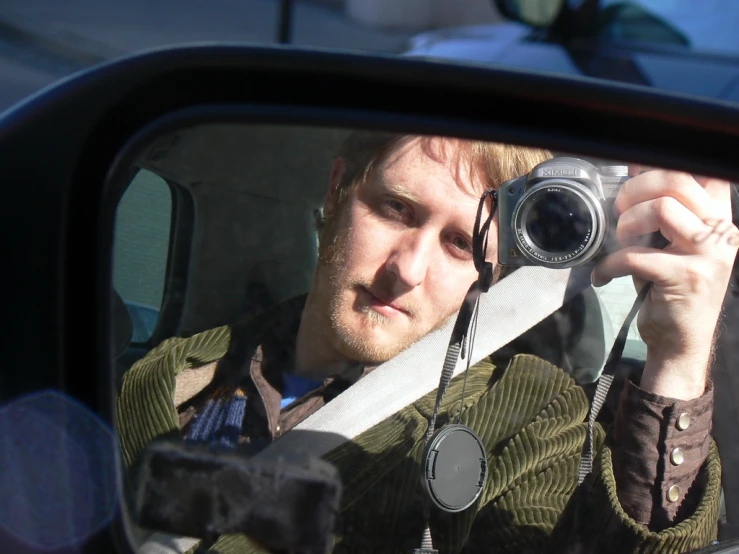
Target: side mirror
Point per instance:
(68, 153)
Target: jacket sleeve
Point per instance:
(531, 502)
(595, 521)
(658, 447)
(145, 404)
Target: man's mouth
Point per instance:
(388, 308)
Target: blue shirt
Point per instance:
(294, 387)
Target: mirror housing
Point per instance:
(58, 147)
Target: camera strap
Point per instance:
(467, 449)
(605, 381)
(443, 485)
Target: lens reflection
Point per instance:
(558, 222)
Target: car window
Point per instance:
(142, 236)
(618, 297)
(707, 25)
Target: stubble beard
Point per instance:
(339, 294)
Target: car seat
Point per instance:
(122, 332)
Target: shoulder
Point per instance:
(525, 384)
(177, 369)
(529, 388)
(199, 349)
(176, 355)
(185, 366)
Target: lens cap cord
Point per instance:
(454, 462)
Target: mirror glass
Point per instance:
(265, 273)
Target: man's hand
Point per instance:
(679, 316)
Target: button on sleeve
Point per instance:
(659, 446)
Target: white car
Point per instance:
(682, 46)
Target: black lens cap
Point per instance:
(454, 468)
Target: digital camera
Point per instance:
(560, 214)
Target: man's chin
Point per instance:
(373, 342)
(368, 353)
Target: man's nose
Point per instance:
(410, 260)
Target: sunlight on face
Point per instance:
(400, 258)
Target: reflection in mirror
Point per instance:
(143, 222)
(306, 381)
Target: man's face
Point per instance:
(400, 259)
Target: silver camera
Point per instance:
(559, 215)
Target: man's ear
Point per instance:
(337, 173)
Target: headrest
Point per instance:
(122, 325)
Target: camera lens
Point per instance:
(558, 222)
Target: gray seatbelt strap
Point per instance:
(511, 307)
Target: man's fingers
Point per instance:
(718, 189)
(647, 264)
(677, 223)
(655, 184)
(636, 169)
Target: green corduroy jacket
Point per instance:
(531, 417)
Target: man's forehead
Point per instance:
(420, 156)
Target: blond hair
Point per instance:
(494, 163)
(362, 151)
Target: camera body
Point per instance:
(560, 214)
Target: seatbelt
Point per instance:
(511, 307)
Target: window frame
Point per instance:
(179, 245)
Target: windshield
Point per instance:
(709, 25)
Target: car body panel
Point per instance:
(710, 67)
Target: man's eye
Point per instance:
(462, 244)
(394, 209)
(396, 205)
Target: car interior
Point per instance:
(241, 237)
(245, 239)
(251, 238)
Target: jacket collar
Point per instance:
(274, 354)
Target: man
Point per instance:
(395, 261)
